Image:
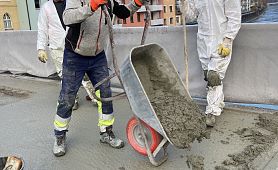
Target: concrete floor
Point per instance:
(27, 131)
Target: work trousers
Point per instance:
(74, 68)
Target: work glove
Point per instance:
(42, 55)
(95, 4)
(224, 49)
(139, 3)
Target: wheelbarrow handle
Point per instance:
(118, 96)
(147, 22)
(110, 28)
(108, 99)
(104, 80)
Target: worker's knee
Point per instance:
(213, 78)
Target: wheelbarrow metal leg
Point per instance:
(163, 144)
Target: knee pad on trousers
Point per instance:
(206, 75)
(213, 78)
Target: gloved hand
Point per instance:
(42, 55)
(139, 3)
(224, 49)
(96, 3)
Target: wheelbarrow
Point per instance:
(144, 131)
(148, 74)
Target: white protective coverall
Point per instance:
(216, 19)
(52, 33)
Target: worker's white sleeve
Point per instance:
(233, 13)
(191, 12)
(75, 12)
(42, 39)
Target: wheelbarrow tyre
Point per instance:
(154, 137)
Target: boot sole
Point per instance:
(117, 147)
(59, 154)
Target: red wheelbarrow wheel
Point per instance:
(136, 140)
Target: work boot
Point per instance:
(210, 120)
(59, 148)
(76, 105)
(109, 138)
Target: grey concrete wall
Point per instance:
(18, 54)
(251, 76)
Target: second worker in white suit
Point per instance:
(218, 24)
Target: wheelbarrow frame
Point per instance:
(139, 100)
(165, 141)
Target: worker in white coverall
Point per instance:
(218, 24)
(52, 32)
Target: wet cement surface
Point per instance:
(31, 135)
(180, 117)
(195, 162)
(262, 137)
(10, 95)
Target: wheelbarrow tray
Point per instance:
(138, 93)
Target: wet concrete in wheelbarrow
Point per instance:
(180, 117)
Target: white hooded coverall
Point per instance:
(216, 19)
(52, 33)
